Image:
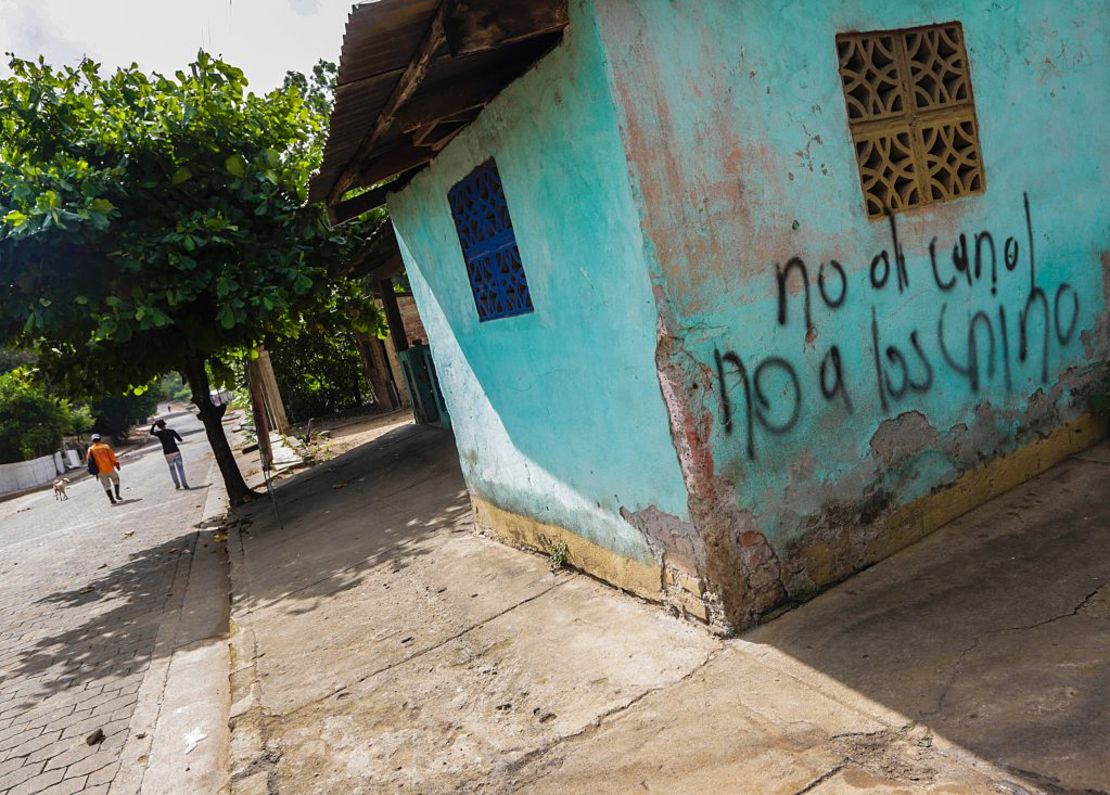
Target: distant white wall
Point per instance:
(27, 474)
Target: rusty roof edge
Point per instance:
(406, 85)
(342, 171)
(317, 190)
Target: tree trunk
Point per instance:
(379, 384)
(196, 375)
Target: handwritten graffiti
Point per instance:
(767, 393)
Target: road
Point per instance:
(84, 589)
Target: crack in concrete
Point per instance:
(956, 668)
(593, 726)
(822, 778)
(416, 655)
(267, 720)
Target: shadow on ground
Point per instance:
(380, 504)
(994, 631)
(124, 607)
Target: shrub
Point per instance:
(31, 422)
(116, 415)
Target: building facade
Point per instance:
(737, 298)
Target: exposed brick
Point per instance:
(71, 663)
(77, 751)
(114, 741)
(67, 787)
(69, 720)
(11, 731)
(48, 712)
(11, 765)
(85, 727)
(90, 764)
(110, 707)
(17, 740)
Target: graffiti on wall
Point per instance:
(769, 393)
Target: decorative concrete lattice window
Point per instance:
(489, 246)
(912, 116)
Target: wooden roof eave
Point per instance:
(473, 48)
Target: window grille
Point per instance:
(912, 116)
(493, 264)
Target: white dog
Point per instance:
(60, 489)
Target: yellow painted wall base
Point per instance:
(1000, 475)
(830, 560)
(642, 579)
(826, 560)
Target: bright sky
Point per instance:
(264, 38)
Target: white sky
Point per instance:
(264, 38)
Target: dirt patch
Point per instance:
(333, 436)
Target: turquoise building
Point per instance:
(730, 298)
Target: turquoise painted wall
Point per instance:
(740, 156)
(558, 413)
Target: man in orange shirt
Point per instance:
(106, 466)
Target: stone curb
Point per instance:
(178, 737)
(248, 762)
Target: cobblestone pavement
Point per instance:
(83, 586)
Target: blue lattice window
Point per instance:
(489, 246)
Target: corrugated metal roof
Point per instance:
(493, 42)
(378, 44)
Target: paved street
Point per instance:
(84, 587)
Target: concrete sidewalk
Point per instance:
(380, 645)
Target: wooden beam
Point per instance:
(393, 316)
(456, 85)
(406, 86)
(390, 269)
(394, 161)
(352, 208)
(377, 251)
(391, 162)
(477, 25)
(450, 100)
(444, 133)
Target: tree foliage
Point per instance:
(318, 89)
(155, 222)
(33, 423)
(116, 415)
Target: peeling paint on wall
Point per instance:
(557, 413)
(733, 377)
(856, 366)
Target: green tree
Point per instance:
(31, 422)
(116, 415)
(320, 371)
(153, 223)
(318, 89)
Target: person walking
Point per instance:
(103, 458)
(169, 439)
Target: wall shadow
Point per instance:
(994, 631)
(375, 508)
